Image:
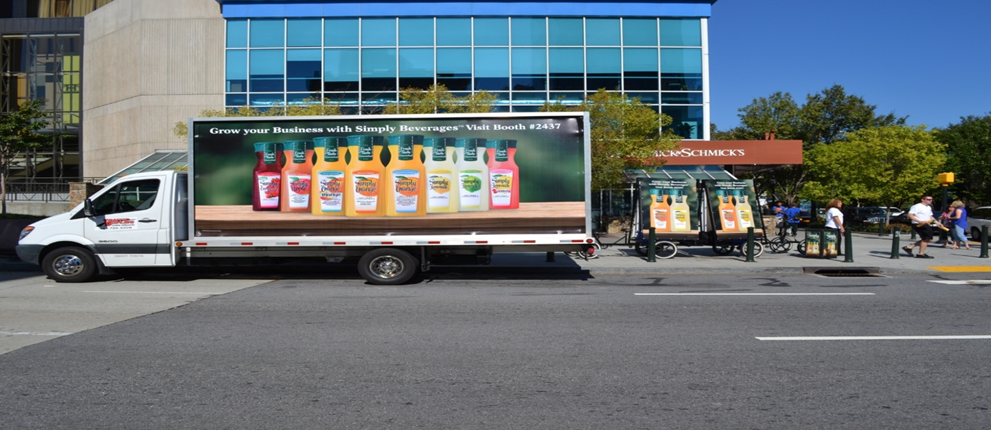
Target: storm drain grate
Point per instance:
(861, 272)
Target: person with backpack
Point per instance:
(794, 216)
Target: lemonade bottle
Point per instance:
(363, 176)
(441, 174)
(473, 175)
(504, 174)
(295, 196)
(267, 177)
(680, 217)
(727, 212)
(404, 190)
(744, 212)
(327, 179)
(660, 211)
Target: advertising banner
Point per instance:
(670, 206)
(734, 207)
(390, 174)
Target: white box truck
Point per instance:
(397, 192)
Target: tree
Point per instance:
(889, 165)
(309, 107)
(968, 149)
(827, 116)
(437, 99)
(625, 133)
(19, 133)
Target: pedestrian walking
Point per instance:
(834, 220)
(921, 215)
(958, 226)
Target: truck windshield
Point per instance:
(127, 197)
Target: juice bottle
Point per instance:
(267, 177)
(327, 179)
(296, 178)
(744, 212)
(363, 176)
(405, 193)
(727, 212)
(504, 174)
(660, 211)
(680, 217)
(473, 175)
(441, 175)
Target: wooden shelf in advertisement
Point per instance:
(530, 218)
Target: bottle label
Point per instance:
(407, 190)
(729, 219)
(330, 154)
(269, 157)
(365, 184)
(680, 221)
(366, 152)
(661, 219)
(502, 187)
(268, 190)
(746, 219)
(299, 191)
(439, 188)
(439, 153)
(471, 188)
(471, 152)
(331, 183)
(299, 156)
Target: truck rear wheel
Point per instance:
(387, 266)
(69, 264)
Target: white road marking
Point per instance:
(28, 333)
(154, 292)
(964, 282)
(965, 337)
(753, 294)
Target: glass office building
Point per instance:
(361, 55)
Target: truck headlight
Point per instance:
(24, 233)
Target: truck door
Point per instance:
(127, 226)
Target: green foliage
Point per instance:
(18, 133)
(437, 99)
(624, 134)
(888, 165)
(968, 149)
(309, 107)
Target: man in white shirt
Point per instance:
(921, 215)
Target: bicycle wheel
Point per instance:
(779, 245)
(641, 248)
(665, 249)
(758, 249)
(723, 249)
(801, 247)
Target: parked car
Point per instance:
(873, 215)
(978, 218)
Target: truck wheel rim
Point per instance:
(68, 265)
(386, 267)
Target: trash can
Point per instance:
(820, 243)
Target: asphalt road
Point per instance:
(504, 350)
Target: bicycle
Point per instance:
(781, 242)
(599, 245)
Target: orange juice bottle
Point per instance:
(363, 177)
(660, 211)
(504, 174)
(327, 179)
(743, 211)
(405, 193)
(727, 212)
(442, 173)
(296, 178)
(680, 216)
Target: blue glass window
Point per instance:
(266, 70)
(237, 33)
(416, 68)
(340, 70)
(529, 31)
(340, 32)
(681, 32)
(303, 70)
(416, 32)
(266, 100)
(491, 69)
(565, 32)
(267, 33)
(670, 98)
(640, 69)
(378, 32)
(681, 69)
(687, 121)
(603, 66)
(453, 32)
(237, 70)
(378, 70)
(567, 68)
(602, 32)
(529, 69)
(303, 32)
(639, 32)
(236, 99)
(491, 32)
(303, 98)
(454, 68)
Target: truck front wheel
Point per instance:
(387, 266)
(69, 264)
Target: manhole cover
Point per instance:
(869, 272)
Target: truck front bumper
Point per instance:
(28, 253)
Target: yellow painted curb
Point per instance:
(961, 268)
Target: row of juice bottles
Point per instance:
(669, 211)
(735, 213)
(362, 185)
(812, 245)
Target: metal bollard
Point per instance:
(652, 245)
(848, 246)
(984, 242)
(750, 245)
(880, 229)
(913, 234)
(895, 243)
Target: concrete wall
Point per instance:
(147, 65)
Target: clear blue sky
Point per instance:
(929, 60)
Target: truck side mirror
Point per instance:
(88, 208)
